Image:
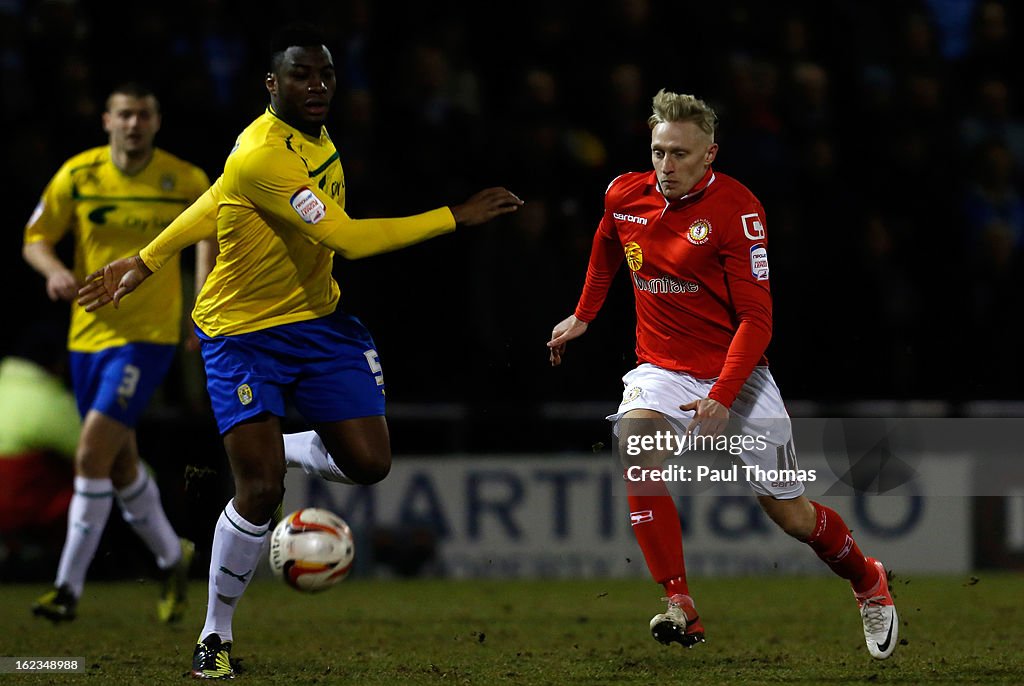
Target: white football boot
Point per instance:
(878, 612)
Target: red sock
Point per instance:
(832, 542)
(655, 521)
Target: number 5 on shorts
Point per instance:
(375, 368)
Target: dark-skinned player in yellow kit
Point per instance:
(268, 316)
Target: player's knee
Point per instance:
(644, 439)
(122, 475)
(369, 469)
(642, 459)
(257, 499)
(92, 463)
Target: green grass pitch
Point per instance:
(954, 630)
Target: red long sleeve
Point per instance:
(605, 259)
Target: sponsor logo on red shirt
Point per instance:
(642, 221)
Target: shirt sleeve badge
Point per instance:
(759, 262)
(308, 206)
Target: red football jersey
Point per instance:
(699, 267)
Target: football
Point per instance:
(311, 549)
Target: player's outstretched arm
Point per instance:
(564, 331)
(485, 206)
(112, 282)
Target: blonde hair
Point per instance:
(672, 107)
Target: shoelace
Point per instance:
(682, 609)
(873, 612)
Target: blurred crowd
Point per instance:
(885, 140)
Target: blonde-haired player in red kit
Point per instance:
(696, 245)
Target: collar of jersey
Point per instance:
(271, 112)
(695, 192)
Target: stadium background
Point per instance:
(884, 139)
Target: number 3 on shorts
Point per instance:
(374, 362)
(129, 381)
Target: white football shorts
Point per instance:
(758, 412)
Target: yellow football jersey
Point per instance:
(278, 215)
(113, 215)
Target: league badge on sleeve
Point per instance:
(308, 206)
(759, 262)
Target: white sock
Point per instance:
(141, 508)
(237, 546)
(307, 451)
(87, 518)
